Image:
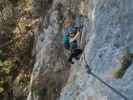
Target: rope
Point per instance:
(102, 81)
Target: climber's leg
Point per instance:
(76, 53)
(70, 59)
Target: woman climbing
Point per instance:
(71, 34)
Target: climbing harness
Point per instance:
(102, 81)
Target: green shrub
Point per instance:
(5, 69)
(125, 63)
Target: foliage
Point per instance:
(5, 69)
(16, 56)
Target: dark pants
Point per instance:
(74, 54)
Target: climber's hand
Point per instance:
(75, 37)
(71, 40)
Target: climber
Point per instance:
(75, 50)
(71, 35)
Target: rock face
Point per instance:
(107, 41)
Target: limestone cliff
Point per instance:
(107, 42)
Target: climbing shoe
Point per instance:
(70, 61)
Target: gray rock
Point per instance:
(112, 34)
(107, 40)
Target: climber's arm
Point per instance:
(75, 37)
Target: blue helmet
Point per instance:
(70, 30)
